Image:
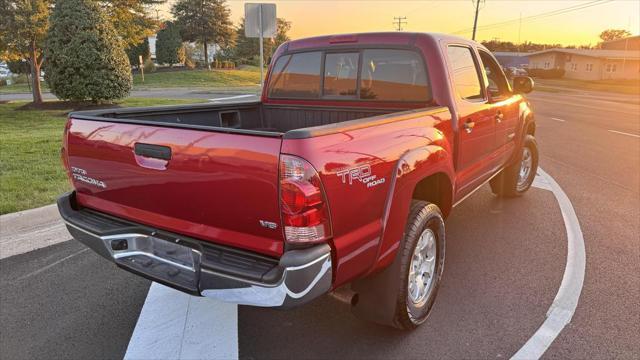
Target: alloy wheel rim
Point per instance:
(525, 168)
(422, 267)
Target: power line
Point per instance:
(399, 21)
(536, 17)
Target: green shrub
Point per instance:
(134, 53)
(84, 57)
(20, 79)
(149, 66)
(546, 73)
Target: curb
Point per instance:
(32, 229)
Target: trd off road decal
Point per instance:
(81, 175)
(361, 173)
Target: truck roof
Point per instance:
(372, 38)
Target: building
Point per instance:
(589, 64)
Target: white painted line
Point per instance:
(624, 133)
(558, 119)
(232, 97)
(541, 182)
(36, 272)
(566, 300)
(175, 325)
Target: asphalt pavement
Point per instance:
(505, 262)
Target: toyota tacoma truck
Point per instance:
(342, 173)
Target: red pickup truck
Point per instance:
(341, 174)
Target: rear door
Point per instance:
(215, 186)
(476, 124)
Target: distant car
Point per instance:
(4, 72)
(520, 72)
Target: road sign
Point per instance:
(257, 14)
(260, 21)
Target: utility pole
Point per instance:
(399, 21)
(519, 32)
(475, 20)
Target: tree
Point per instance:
(169, 48)
(204, 21)
(23, 27)
(131, 20)
(84, 57)
(614, 34)
(247, 48)
(283, 27)
(142, 49)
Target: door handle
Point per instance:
(469, 125)
(499, 117)
(152, 151)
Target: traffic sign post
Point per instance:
(260, 21)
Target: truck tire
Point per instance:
(387, 297)
(421, 264)
(516, 179)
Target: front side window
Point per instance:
(393, 75)
(496, 82)
(296, 76)
(341, 74)
(464, 73)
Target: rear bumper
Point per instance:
(201, 268)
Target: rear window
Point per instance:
(371, 74)
(296, 76)
(341, 74)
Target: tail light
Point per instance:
(302, 202)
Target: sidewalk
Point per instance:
(168, 93)
(29, 230)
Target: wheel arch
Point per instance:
(425, 173)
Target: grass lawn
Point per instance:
(20, 88)
(31, 173)
(198, 78)
(248, 76)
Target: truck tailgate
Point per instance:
(215, 186)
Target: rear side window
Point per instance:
(296, 76)
(464, 73)
(393, 75)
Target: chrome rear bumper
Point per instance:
(201, 268)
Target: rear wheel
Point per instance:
(516, 179)
(421, 266)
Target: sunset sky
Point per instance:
(575, 22)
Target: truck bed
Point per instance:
(245, 117)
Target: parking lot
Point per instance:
(506, 261)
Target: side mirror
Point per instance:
(522, 84)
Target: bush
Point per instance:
(188, 50)
(20, 79)
(135, 52)
(84, 57)
(546, 73)
(149, 66)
